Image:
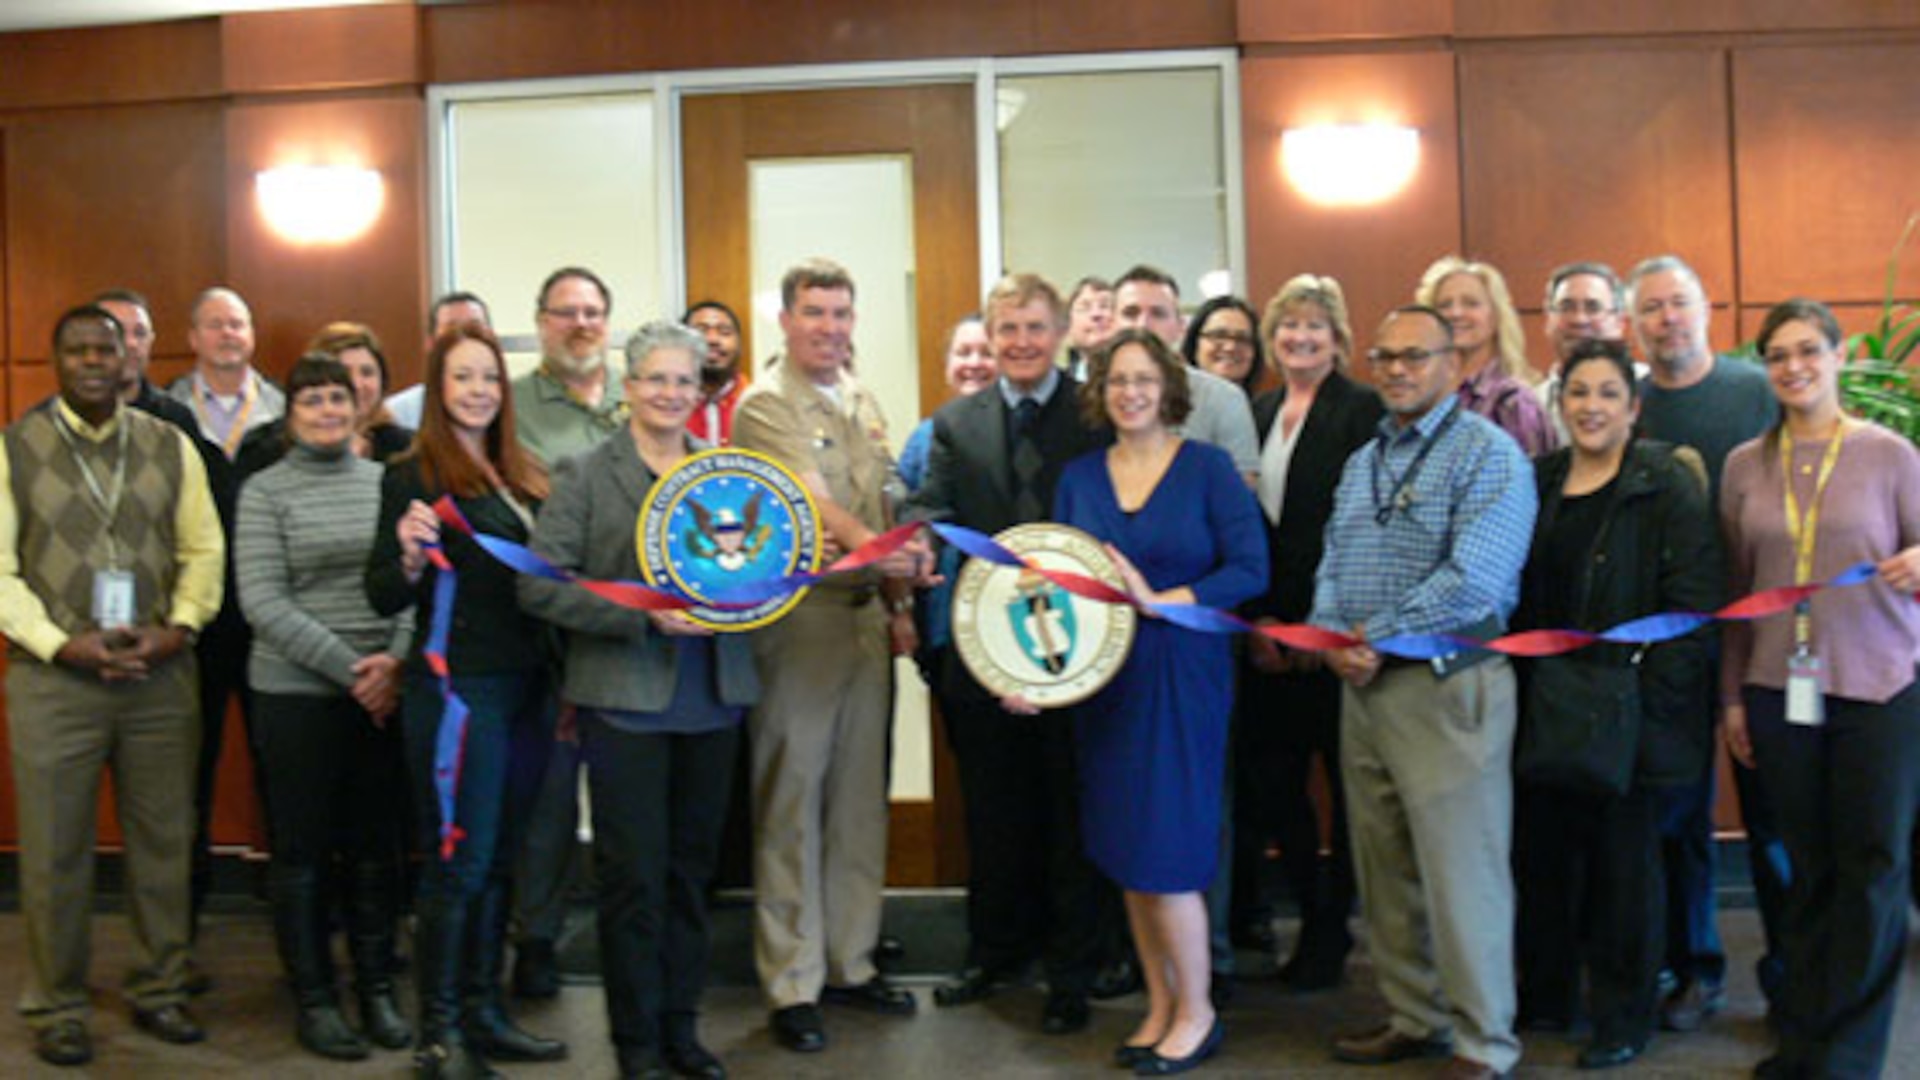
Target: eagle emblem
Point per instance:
(729, 540)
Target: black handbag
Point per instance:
(1581, 725)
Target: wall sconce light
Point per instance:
(1349, 164)
(320, 204)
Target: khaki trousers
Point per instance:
(1428, 770)
(63, 729)
(819, 752)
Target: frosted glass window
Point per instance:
(549, 182)
(1102, 171)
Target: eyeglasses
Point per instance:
(1808, 352)
(576, 314)
(1132, 382)
(660, 380)
(319, 396)
(1238, 339)
(1411, 359)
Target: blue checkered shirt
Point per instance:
(1450, 551)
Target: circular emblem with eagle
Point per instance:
(724, 527)
(1019, 633)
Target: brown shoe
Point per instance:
(1468, 1069)
(1385, 1045)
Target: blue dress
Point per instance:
(1152, 746)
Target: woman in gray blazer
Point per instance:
(660, 699)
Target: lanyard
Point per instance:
(1401, 497)
(248, 395)
(105, 502)
(1804, 532)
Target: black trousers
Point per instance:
(1587, 873)
(222, 654)
(1844, 795)
(340, 780)
(1286, 722)
(1031, 893)
(659, 804)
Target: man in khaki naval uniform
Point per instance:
(111, 560)
(819, 736)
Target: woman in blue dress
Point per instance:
(1152, 747)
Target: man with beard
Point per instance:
(566, 406)
(1713, 404)
(721, 382)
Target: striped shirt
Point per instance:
(1431, 552)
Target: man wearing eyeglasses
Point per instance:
(1692, 397)
(1583, 304)
(566, 406)
(1431, 526)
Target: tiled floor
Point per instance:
(1269, 1033)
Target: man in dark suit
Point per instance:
(995, 460)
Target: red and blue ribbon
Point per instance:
(1646, 630)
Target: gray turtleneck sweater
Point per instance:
(300, 552)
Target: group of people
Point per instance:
(1510, 830)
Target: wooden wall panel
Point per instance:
(1565, 18)
(110, 65)
(1575, 155)
(128, 197)
(577, 37)
(379, 279)
(1827, 164)
(319, 48)
(1854, 318)
(1263, 22)
(1376, 252)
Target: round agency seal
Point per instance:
(723, 521)
(1019, 633)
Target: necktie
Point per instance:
(1027, 461)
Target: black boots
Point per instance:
(439, 951)
(487, 1027)
(371, 920)
(300, 931)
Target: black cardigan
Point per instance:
(1657, 551)
(490, 634)
(1344, 417)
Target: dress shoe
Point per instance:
(382, 1021)
(170, 1023)
(876, 995)
(497, 1038)
(691, 1059)
(1385, 1045)
(1065, 1013)
(1468, 1069)
(323, 1031)
(1606, 1055)
(1690, 1007)
(449, 1059)
(798, 1028)
(536, 974)
(64, 1042)
(1118, 979)
(1156, 1065)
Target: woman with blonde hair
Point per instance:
(1495, 379)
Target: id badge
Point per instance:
(113, 599)
(1805, 705)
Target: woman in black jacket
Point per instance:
(1624, 531)
(499, 667)
(1290, 701)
